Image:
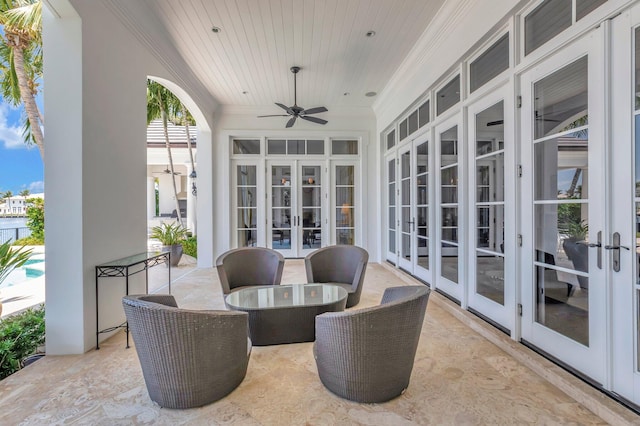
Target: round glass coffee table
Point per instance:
(286, 313)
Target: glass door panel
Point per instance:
(311, 205)
(282, 198)
(487, 271)
(449, 208)
(407, 223)
(345, 210)
(391, 210)
(421, 268)
(246, 206)
(564, 295)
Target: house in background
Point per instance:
(159, 174)
(17, 205)
(468, 143)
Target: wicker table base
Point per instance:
(286, 313)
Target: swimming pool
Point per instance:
(32, 268)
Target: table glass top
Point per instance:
(132, 260)
(277, 296)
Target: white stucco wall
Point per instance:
(95, 160)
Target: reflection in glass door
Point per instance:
(407, 223)
(246, 206)
(564, 295)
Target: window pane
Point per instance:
(490, 280)
(295, 147)
(246, 175)
(584, 7)
(276, 146)
(311, 175)
(413, 122)
(247, 218)
(403, 129)
(345, 175)
(490, 63)
(490, 129)
(560, 98)
(315, 147)
(423, 113)
(545, 22)
(391, 139)
(449, 95)
(560, 165)
(345, 236)
(344, 147)
(449, 147)
(344, 217)
(246, 146)
(247, 238)
(247, 197)
(392, 171)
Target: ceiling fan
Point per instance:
(295, 111)
(166, 171)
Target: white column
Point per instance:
(151, 198)
(95, 151)
(191, 201)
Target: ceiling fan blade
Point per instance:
(284, 107)
(290, 122)
(273, 115)
(495, 123)
(314, 110)
(315, 120)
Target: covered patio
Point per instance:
(465, 372)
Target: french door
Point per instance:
(296, 206)
(564, 293)
(492, 216)
(449, 178)
(412, 226)
(623, 242)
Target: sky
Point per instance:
(20, 165)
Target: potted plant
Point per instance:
(171, 236)
(11, 259)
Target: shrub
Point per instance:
(190, 247)
(20, 336)
(29, 241)
(169, 233)
(35, 215)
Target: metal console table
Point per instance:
(121, 268)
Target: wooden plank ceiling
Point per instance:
(247, 63)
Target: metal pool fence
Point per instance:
(13, 234)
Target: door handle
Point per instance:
(616, 250)
(412, 222)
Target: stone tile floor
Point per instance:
(460, 376)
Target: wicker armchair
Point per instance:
(367, 355)
(188, 358)
(342, 265)
(249, 266)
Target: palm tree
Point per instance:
(162, 103)
(7, 198)
(25, 193)
(21, 68)
(185, 118)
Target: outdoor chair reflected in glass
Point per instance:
(188, 358)
(249, 266)
(367, 355)
(342, 265)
